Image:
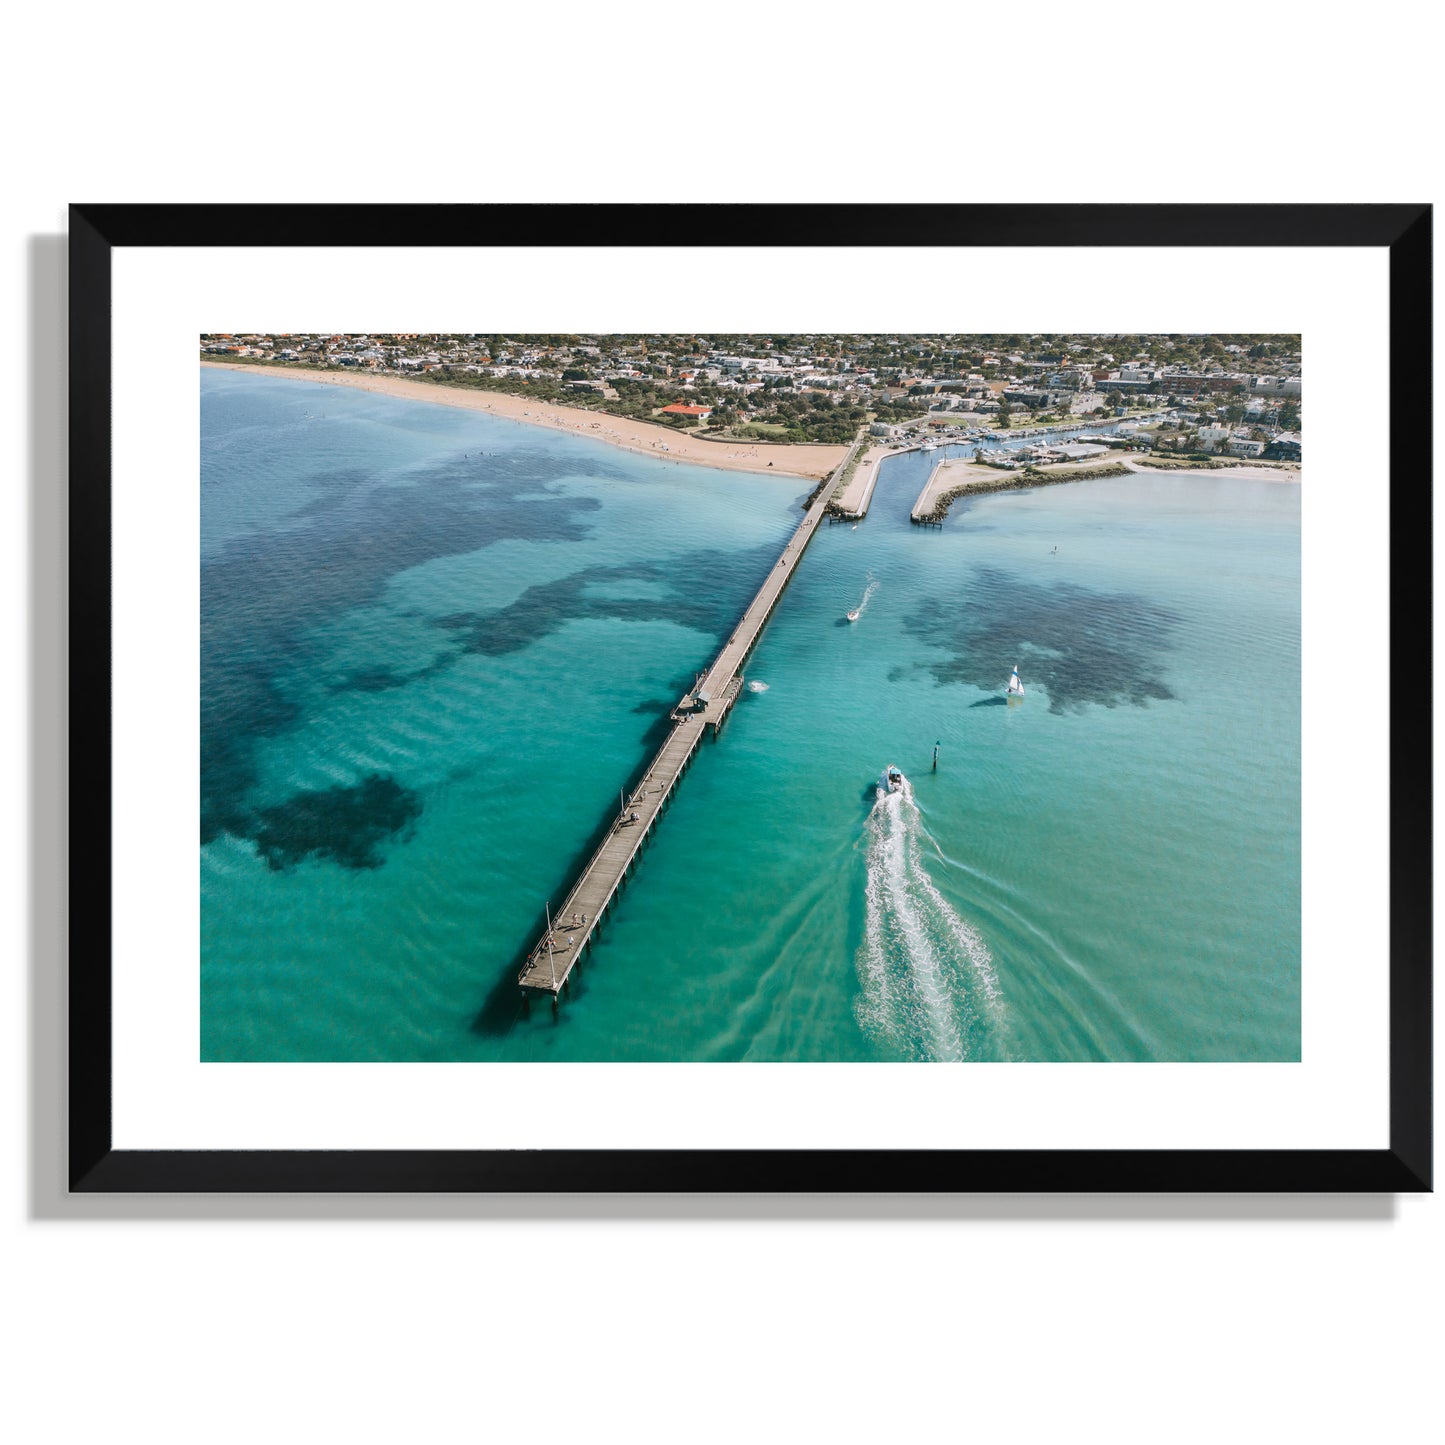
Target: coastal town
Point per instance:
(1199, 399)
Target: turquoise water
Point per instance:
(436, 643)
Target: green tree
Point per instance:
(1289, 416)
(1004, 411)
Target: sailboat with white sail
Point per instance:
(1015, 685)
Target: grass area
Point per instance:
(751, 432)
(1159, 463)
(859, 452)
(1081, 474)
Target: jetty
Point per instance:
(854, 498)
(924, 513)
(960, 476)
(569, 930)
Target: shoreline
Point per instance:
(811, 460)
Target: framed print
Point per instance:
(750, 698)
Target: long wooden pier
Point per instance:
(559, 950)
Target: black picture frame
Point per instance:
(95, 1166)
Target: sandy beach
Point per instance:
(648, 438)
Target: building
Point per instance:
(1028, 396)
(1244, 447)
(1285, 447)
(1005, 457)
(1275, 385)
(735, 364)
(678, 409)
(1183, 383)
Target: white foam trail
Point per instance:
(928, 981)
(868, 592)
(756, 686)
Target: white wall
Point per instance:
(1120, 1319)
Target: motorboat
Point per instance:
(892, 780)
(855, 614)
(1015, 686)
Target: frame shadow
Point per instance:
(50, 1196)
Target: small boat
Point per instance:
(1015, 687)
(892, 780)
(855, 614)
(928, 447)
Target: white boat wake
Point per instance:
(756, 686)
(929, 990)
(868, 592)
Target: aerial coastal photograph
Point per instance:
(769, 697)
